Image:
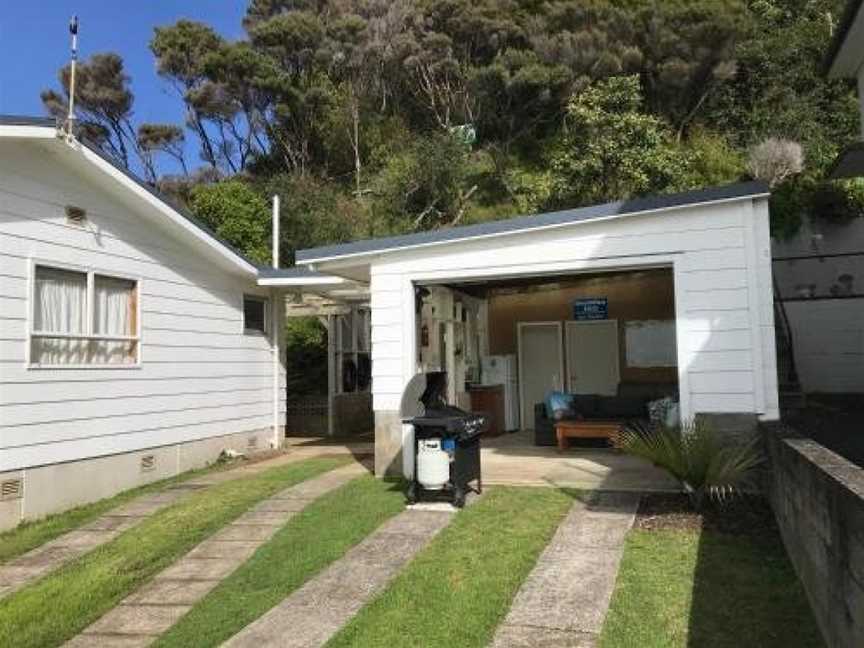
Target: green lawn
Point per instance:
(457, 590)
(317, 536)
(56, 608)
(30, 535)
(707, 589)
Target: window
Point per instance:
(254, 314)
(83, 318)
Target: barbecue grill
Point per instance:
(446, 441)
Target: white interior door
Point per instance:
(541, 365)
(592, 357)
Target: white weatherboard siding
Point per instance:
(199, 377)
(721, 258)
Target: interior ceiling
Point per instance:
(483, 288)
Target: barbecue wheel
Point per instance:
(459, 498)
(411, 495)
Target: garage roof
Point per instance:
(536, 222)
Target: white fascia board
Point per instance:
(24, 131)
(315, 263)
(299, 282)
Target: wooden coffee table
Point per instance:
(593, 429)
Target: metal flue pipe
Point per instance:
(276, 231)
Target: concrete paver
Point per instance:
(564, 600)
(311, 615)
(148, 612)
(43, 560)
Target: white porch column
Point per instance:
(277, 344)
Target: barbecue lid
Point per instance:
(424, 391)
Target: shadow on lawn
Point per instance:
(745, 590)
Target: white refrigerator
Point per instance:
(501, 370)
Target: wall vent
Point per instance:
(252, 442)
(11, 489)
(75, 215)
(148, 463)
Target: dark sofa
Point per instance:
(631, 402)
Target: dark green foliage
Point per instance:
(837, 202)
(305, 356)
(612, 150)
(237, 214)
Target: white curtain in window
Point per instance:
(60, 307)
(114, 312)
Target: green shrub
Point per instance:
(706, 463)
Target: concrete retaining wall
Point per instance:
(818, 500)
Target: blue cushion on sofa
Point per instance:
(557, 401)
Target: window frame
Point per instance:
(262, 300)
(91, 272)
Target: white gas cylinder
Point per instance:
(433, 464)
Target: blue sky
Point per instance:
(34, 44)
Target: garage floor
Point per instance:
(513, 459)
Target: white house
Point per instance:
(134, 344)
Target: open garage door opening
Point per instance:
(571, 356)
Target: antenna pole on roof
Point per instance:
(70, 118)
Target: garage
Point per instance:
(658, 297)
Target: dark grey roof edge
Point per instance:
(520, 223)
(27, 120)
(50, 122)
(843, 27)
(265, 272)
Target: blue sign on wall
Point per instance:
(591, 309)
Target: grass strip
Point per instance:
(32, 534)
(458, 589)
(313, 539)
(707, 589)
(59, 606)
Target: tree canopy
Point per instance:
(377, 116)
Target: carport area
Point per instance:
(667, 296)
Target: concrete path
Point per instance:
(38, 562)
(147, 613)
(318, 610)
(563, 602)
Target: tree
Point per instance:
(610, 149)
(780, 89)
(237, 214)
(424, 186)
(220, 108)
(104, 101)
(161, 138)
